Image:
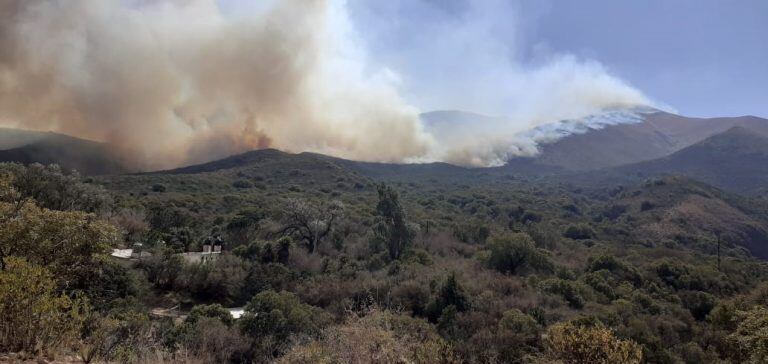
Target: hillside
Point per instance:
(659, 135)
(530, 251)
(735, 160)
(85, 156)
(12, 138)
(449, 193)
(678, 211)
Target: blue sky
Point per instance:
(700, 57)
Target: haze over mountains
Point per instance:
(727, 152)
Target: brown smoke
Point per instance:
(171, 82)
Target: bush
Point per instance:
(242, 183)
(579, 232)
(618, 269)
(472, 232)
(566, 289)
(33, 316)
(220, 280)
(158, 188)
(516, 321)
(122, 335)
(378, 337)
(212, 341)
(215, 311)
(52, 189)
(699, 304)
(647, 205)
(751, 336)
(280, 315)
(570, 343)
(514, 253)
(451, 294)
(66, 242)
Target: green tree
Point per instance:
(392, 227)
(451, 294)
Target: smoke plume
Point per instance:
(172, 82)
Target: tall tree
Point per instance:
(392, 227)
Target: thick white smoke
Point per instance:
(479, 56)
(171, 82)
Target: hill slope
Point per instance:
(691, 213)
(85, 156)
(659, 135)
(735, 160)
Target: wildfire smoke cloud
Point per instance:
(175, 82)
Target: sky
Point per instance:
(696, 57)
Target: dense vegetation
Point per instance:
(337, 262)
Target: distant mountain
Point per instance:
(254, 157)
(592, 144)
(85, 156)
(275, 162)
(658, 135)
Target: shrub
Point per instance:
(566, 289)
(411, 297)
(699, 304)
(545, 236)
(450, 294)
(122, 335)
(472, 232)
(751, 336)
(613, 212)
(513, 253)
(66, 242)
(220, 280)
(516, 321)
(378, 337)
(243, 227)
(574, 344)
(617, 268)
(210, 340)
(33, 316)
(647, 205)
(215, 311)
(52, 189)
(242, 183)
(579, 232)
(280, 315)
(158, 188)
